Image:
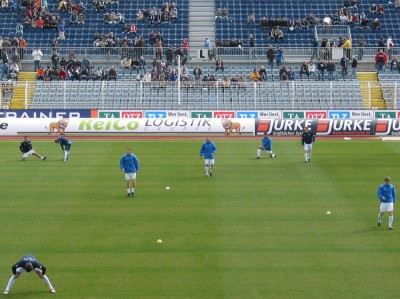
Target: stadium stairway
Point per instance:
(201, 24)
(18, 99)
(377, 100)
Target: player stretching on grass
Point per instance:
(27, 150)
(307, 140)
(266, 146)
(387, 196)
(27, 264)
(208, 150)
(65, 146)
(130, 165)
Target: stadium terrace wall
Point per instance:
(223, 126)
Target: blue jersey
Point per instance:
(208, 149)
(267, 143)
(64, 142)
(387, 193)
(129, 163)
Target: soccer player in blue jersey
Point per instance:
(65, 146)
(27, 264)
(307, 140)
(266, 146)
(387, 196)
(208, 150)
(129, 164)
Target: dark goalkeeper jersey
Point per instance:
(307, 137)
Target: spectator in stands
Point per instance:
(208, 46)
(311, 68)
(321, 67)
(169, 54)
(251, 19)
(84, 74)
(197, 73)
(142, 64)
(397, 4)
(283, 74)
(354, 64)
(344, 63)
(218, 14)
(37, 57)
(73, 19)
(381, 10)
(19, 30)
(13, 73)
(40, 73)
(158, 49)
(135, 65)
(62, 74)
(112, 74)
(219, 65)
(291, 75)
(263, 23)
(39, 23)
(147, 77)
(252, 45)
(61, 30)
(380, 61)
(395, 65)
(376, 24)
(361, 45)
(254, 76)
(278, 33)
(373, 8)
(270, 56)
(278, 57)
(330, 68)
(364, 23)
(263, 74)
(185, 46)
(381, 44)
(178, 55)
(86, 62)
(347, 45)
(225, 13)
(126, 64)
(389, 47)
(304, 70)
(55, 59)
(5, 70)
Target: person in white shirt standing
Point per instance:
(37, 57)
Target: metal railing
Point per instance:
(202, 95)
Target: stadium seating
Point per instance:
(82, 35)
(237, 27)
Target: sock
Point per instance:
(47, 281)
(309, 156)
(306, 157)
(10, 283)
(390, 220)
(132, 190)
(65, 155)
(206, 170)
(128, 190)
(379, 218)
(258, 153)
(211, 168)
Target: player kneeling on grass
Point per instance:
(387, 196)
(266, 146)
(208, 150)
(27, 150)
(27, 264)
(129, 164)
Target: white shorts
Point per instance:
(308, 147)
(20, 270)
(130, 176)
(386, 207)
(30, 153)
(209, 161)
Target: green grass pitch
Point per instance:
(256, 229)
